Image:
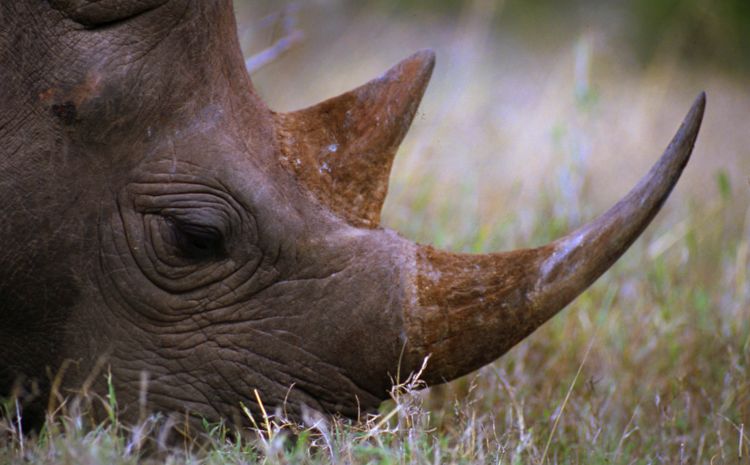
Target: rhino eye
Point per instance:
(196, 241)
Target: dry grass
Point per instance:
(515, 145)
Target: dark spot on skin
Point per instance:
(66, 112)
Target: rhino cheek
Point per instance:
(278, 316)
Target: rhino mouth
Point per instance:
(98, 14)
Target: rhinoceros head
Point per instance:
(161, 222)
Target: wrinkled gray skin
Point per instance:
(147, 222)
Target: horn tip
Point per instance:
(426, 56)
(699, 105)
(419, 64)
(702, 98)
(692, 123)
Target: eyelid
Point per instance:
(191, 227)
(195, 229)
(192, 220)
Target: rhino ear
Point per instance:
(342, 149)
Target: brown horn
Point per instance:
(470, 309)
(342, 149)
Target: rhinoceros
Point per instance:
(161, 223)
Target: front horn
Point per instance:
(468, 309)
